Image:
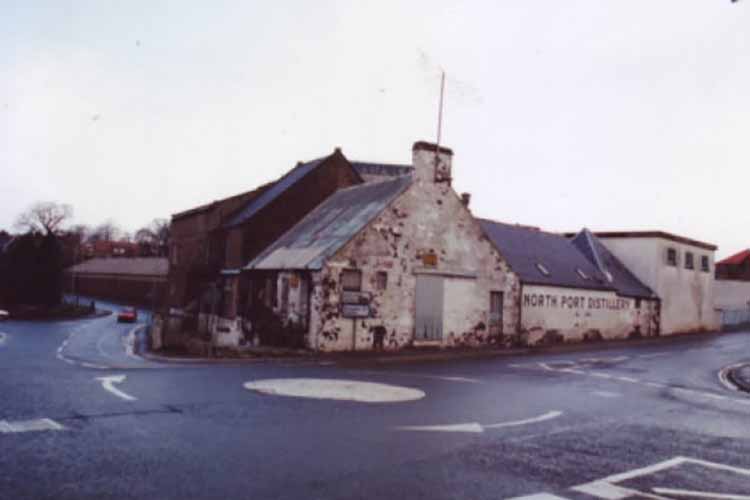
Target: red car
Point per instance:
(127, 315)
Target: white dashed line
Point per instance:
(539, 496)
(628, 379)
(39, 424)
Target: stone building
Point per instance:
(678, 269)
(210, 243)
(572, 289)
(385, 264)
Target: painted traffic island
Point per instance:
(335, 389)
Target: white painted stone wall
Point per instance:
(687, 294)
(551, 314)
(732, 295)
(428, 217)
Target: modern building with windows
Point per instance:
(679, 270)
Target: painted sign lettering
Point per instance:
(574, 301)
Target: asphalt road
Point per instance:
(638, 422)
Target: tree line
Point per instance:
(32, 262)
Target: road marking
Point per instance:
(539, 496)
(541, 418)
(108, 385)
(724, 376)
(449, 378)
(476, 427)
(601, 375)
(468, 427)
(605, 490)
(3, 337)
(700, 494)
(654, 355)
(607, 394)
(347, 390)
(39, 424)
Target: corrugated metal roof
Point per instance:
(737, 258)
(381, 169)
(274, 191)
(146, 266)
(525, 248)
(624, 281)
(330, 226)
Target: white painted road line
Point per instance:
(475, 427)
(700, 494)
(449, 378)
(605, 490)
(724, 376)
(108, 385)
(39, 424)
(3, 337)
(539, 496)
(541, 418)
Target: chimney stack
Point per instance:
(431, 163)
(465, 199)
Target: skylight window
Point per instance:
(608, 276)
(542, 269)
(582, 274)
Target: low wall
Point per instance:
(732, 295)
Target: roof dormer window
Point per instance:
(542, 269)
(582, 274)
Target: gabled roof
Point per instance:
(276, 190)
(624, 281)
(230, 200)
(142, 266)
(525, 248)
(330, 226)
(381, 169)
(736, 259)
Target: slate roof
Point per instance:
(141, 266)
(274, 191)
(624, 281)
(330, 226)
(381, 169)
(736, 259)
(524, 247)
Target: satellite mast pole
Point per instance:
(440, 111)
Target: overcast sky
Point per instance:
(612, 115)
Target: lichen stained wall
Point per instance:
(425, 230)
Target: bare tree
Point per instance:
(45, 217)
(156, 234)
(107, 231)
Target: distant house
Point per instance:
(136, 280)
(732, 289)
(572, 288)
(736, 267)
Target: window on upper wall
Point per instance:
(689, 264)
(671, 257)
(381, 280)
(705, 266)
(351, 280)
(637, 303)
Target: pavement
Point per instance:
(82, 416)
(740, 376)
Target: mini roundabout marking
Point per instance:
(336, 389)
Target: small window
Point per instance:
(671, 257)
(351, 280)
(542, 269)
(381, 280)
(637, 303)
(689, 264)
(705, 266)
(582, 274)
